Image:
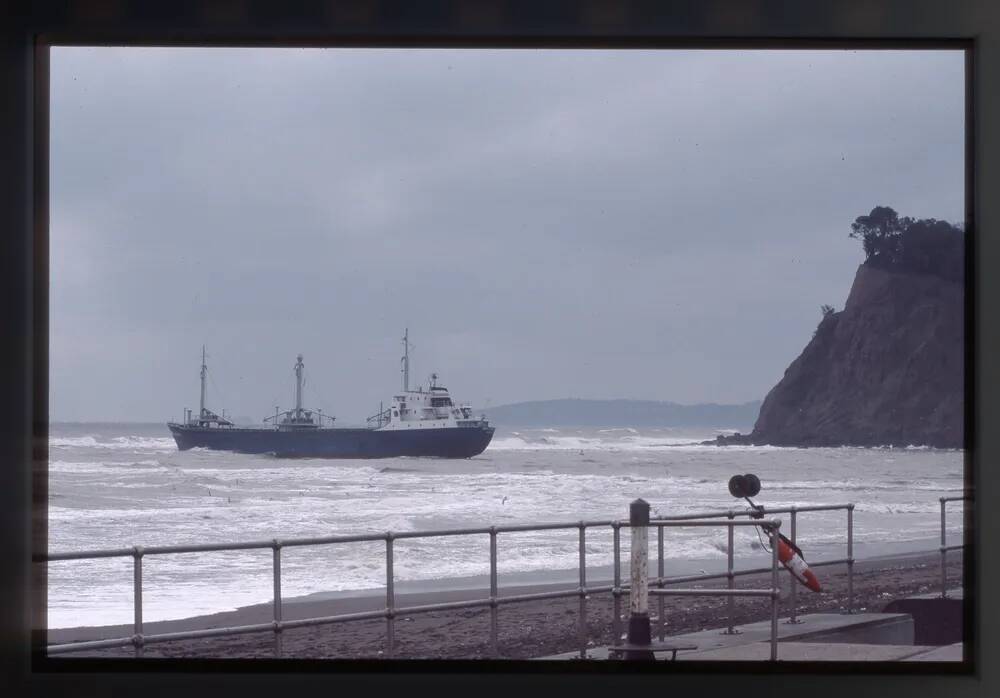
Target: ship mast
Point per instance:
(406, 360)
(298, 387)
(204, 372)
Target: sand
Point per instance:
(526, 629)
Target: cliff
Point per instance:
(886, 370)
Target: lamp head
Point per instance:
(742, 486)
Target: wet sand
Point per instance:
(525, 629)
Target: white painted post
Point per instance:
(638, 624)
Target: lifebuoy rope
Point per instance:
(757, 512)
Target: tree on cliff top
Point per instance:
(925, 246)
(879, 231)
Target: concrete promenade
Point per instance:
(873, 637)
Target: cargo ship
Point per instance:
(417, 422)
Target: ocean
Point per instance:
(119, 485)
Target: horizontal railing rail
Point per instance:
(702, 519)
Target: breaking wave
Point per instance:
(134, 443)
(518, 442)
(72, 442)
(863, 485)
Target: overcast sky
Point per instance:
(549, 223)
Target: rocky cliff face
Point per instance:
(886, 370)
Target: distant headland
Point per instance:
(622, 413)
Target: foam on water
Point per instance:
(131, 443)
(577, 443)
(72, 442)
(132, 487)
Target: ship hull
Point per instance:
(447, 442)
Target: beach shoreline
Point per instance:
(525, 629)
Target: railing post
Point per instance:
(774, 590)
(390, 599)
(793, 582)
(494, 640)
(850, 558)
(638, 598)
(137, 599)
(731, 600)
(582, 617)
(659, 581)
(944, 553)
(616, 590)
(276, 550)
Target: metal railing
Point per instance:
(730, 574)
(139, 640)
(944, 543)
(771, 526)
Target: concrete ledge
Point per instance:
(884, 629)
(949, 593)
(808, 652)
(948, 653)
(870, 629)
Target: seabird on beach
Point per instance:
(504, 500)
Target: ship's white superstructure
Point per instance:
(424, 409)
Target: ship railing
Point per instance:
(732, 518)
(944, 548)
(308, 417)
(274, 417)
(379, 418)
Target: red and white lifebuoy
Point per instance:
(792, 560)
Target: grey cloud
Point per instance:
(548, 223)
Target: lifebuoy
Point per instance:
(791, 557)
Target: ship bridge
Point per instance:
(423, 409)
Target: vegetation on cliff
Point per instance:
(925, 246)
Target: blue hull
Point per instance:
(453, 442)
